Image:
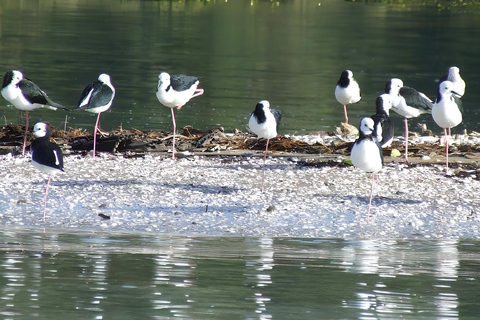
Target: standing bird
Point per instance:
(264, 122)
(408, 103)
(383, 126)
(366, 153)
(23, 94)
(174, 92)
(97, 97)
(46, 156)
(347, 91)
(446, 112)
(454, 77)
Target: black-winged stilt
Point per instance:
(446, 112)
(383, 126)
(408, 103)
(174, 91)
(453, 76)
(46, 156)
(264, 122)
(25, 95)
(97, 97)
(366, 153)
(347, 91)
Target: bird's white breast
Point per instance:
(267, 129)
(446, 113)
(366, 156)
(348, 95)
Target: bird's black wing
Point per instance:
(34, 94)
(101, 94)
(48, 153)
(386, 127)
(416, 99)
(181, 82)
(277, 114)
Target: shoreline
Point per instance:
(201, 195)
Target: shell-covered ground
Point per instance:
(238, 195)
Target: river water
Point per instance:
(86, 275)
(288, 52)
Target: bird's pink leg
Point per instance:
(95, 136)
(198, 92)
(345, 112)
(265, 155)
(371, 196)
(406, 140)
(45, 201)
(174, 130)
(446, 148)
(25, 135)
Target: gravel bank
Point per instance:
(223, 196)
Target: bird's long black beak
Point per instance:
(456, 94)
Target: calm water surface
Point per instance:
(81, 275)
(289, 52)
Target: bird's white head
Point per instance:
(386, 101)
(393, 86)
(366, 125)
(17, 76)
(350, 74)
(446, 88)
(453, 72)
(266, 105)
(41, 129)
(105, 78)
(163, 80)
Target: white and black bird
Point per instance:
(383, 126)
(446, 112)
(407, 102)
(367, 153)
(174, 91)
(264, 122)
(347, 91)
(97, 97)
(25, 95)
(46, 156)
(453, 76)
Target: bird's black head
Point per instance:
(344, 80)
(7, 79)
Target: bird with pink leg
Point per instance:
(97, 97)
(46, 156)
(174, 91)
(25, 95)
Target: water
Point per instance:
(85, 275)
(289, 52)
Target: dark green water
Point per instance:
(59, 275)
(289, 52)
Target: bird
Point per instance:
(25, 95)
(408, 103)
(383, 126)
(97, 97)
(347, 91)
(453, 75)
(46, 156)
(446, 112)
(264, 122)
(174, 91)
(366, 153)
